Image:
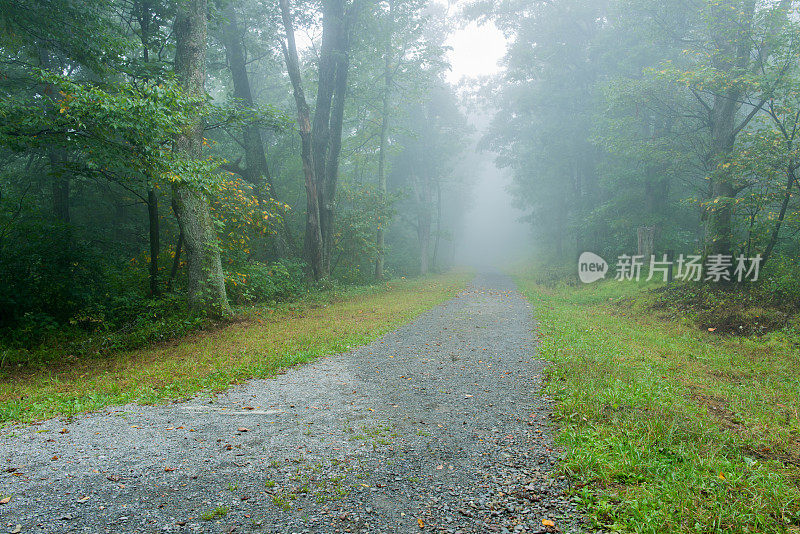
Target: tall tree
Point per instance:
(205, 276)
(322, 139)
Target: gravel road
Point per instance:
(439, 426)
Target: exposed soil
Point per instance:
(439, 426)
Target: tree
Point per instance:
(322, 139)
(205, 276)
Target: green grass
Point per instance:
(260, 344)
(667, 427)
(217, 513)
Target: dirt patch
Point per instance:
(720, 410)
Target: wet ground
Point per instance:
(439, 426)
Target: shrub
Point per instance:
(258, 282)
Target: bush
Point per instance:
(258, 282)
(781, 279)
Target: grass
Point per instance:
(668, 427)
(261, 344)
(217, 513)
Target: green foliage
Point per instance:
(361, 212)
(256, 282)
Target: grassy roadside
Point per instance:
(666, 427)
(262, 343)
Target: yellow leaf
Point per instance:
(548, 523)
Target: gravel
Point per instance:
(439, 426)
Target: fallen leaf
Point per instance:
(421, 523)
(467, 396)
(711, 329)
(168, 469)
(5, 500)
(243, 429)
(721, 476)
(54, 458)
(548, 523)
(113, 478)
(17, 529)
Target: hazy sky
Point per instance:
(492, 234)
(476, 51)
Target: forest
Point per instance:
(550, 246)
(162, 154)
(158, 155)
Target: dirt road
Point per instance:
(438, 427)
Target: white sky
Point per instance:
(476, 51)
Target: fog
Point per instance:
(492, 235)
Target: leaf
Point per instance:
(421, 523)
(5, 500)
(243, 429)
(548, 523)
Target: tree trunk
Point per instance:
(155, 246)
(724, 126)
(646, 237)
(206, 281)
(438, 223)
(335, 142)
(313, 238)
(387, 90)
(422, 193)
(255, 157)
(790, 174)
(257, 170)
(328, 116)
(321, 144)
(176, 261)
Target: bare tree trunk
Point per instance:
(321, 142)
(176, 261)
(257, 171)
(204, 266)
(313, 237)
(327, 206)
(646, 236)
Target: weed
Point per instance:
(217, 513)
